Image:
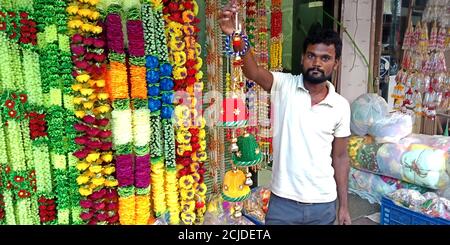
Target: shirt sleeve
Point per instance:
(343, 126)
(280, 82)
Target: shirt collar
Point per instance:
(329, 100)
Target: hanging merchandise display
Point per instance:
(437, 10)
(264, 132)
(423, 82)
(234, 114)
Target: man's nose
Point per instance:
(317, 62)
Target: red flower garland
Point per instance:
(38, 125)
(28, 30)
(47, 209)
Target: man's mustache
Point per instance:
(315, 69)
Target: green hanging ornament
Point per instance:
(248, 153)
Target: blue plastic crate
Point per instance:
(393, 214)
(253, 219)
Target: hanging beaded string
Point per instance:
(215, 80)
(262, 51)
(276, 36)
(251, 86)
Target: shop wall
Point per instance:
(357, 19)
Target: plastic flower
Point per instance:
(186, 182)
(92, 157)
(10, 104)
(107, 157)
(85, 191)
(12, 113)
(19, 179)
(111, 182)
(23, 98)
(82, 179)
(75, 24)
(102, 96)
(81, 166)
(72, 9)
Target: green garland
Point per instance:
(63, 195)
(43, 170)
(60, 15)
(75, 196)
(31, 71)
(169, 143)
(13, 105)
(27, 145)
(149, 29)
(10, 216)
(70, 132)
(65, 72)
(156, 147)
(161, 42)
(15, 147)
(56, 129)
(49, 68)
(5, 72)
(16, 66)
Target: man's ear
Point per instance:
(337, 62)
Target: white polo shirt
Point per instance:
(302, 139)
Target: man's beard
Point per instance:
(307, 75)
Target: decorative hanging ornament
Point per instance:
(248, 153)
(234, 187)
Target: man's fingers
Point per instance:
(227, 12)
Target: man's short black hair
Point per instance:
(317, 35)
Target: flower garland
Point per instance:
(91, 106)
(185, 58)
(51, 44)
(141, 114)
(153, 75)
(167, 96)
(178, 58)
(121, 116)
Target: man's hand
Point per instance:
(227, 16)
(344, 217)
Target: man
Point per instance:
(310, 128)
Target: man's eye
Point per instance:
(325, 58)
(310, 56)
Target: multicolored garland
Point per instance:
(141, 114)
(190, 134)
(95, 159)
(155, 50)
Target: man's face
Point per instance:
(319, 61)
